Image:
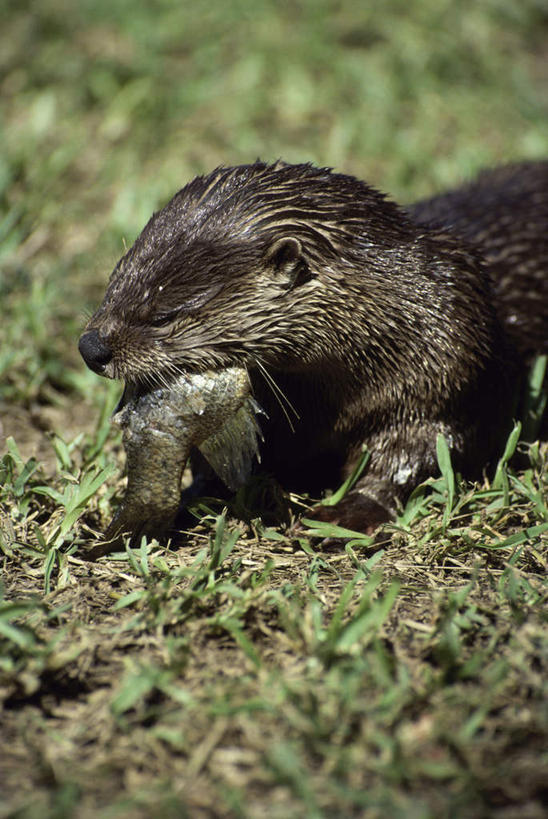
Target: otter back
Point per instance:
(504, 214)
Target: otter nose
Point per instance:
(95, 352)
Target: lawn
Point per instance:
(249, 672)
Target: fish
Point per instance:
(213, 411)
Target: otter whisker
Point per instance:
(279, 395)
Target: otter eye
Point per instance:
(163, 320)
(190, 304)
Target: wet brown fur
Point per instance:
(504, 214)
(377, 326)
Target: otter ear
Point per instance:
(285, 258)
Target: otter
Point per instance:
(360, 323)
(504, 215)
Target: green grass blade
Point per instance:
(345, 487)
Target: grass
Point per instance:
(249, 673)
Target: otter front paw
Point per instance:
(356, 512)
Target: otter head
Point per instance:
(238, 269)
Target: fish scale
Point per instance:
(213, 411)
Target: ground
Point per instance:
(248, 673)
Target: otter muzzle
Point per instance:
(95, 352)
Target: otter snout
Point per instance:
(95, 352)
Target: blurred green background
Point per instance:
(110, 106)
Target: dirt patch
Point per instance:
(33, 427)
